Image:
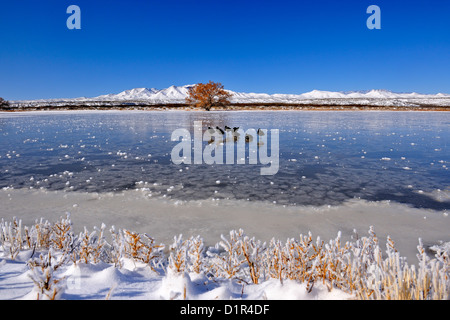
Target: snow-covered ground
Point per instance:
(137, 281)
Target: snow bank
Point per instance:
(138, 282)
(49, 261)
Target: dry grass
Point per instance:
(47, 285)
(91, 245)
(360, 267)
(11, 237)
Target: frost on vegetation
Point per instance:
(358, 267)
(47, 285)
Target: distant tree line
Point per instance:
(4, 104)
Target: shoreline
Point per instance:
(131, 210)
(246, 107)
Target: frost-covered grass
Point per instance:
(47, 260)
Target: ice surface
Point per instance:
(325, 157)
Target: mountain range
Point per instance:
(177, 94)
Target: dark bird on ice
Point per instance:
(211, 130)
(220, 130)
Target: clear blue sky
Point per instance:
(249, 46)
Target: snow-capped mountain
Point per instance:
(133, 94)
(171, 94)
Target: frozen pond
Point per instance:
(326, 160)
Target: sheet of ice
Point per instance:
(325, 157)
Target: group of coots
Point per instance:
(235, 133)
(227, 128)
